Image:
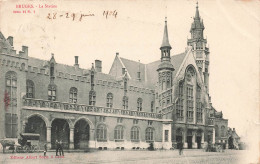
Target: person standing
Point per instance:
(57, 147)
(45, 149)
(180, 148)
(61, 148)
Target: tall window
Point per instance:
(149, 134)
(166, 135)
(135, 133)
(52, 70)
(199, 105)
(11, 122)
(190, 103)
(179, 104)
(179, 110)
(119, 133)
(52, 93)
(110, 100)
(222, 131)
(152, 106)
(125, 102)
(139, 104)
(29, 89)
(73, 95)
(168, 83)
(101, 133)
(92, 98)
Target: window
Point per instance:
(190, 103)
(135, 133)
(152, 106)
(166, 135)
(101, 133)
(180, 89)
(168, 83)
(29, 89)
(222, 131)
(135, 121)
(125, 102)
(139, 104)
(52, 93)
(10, 99)
(92, 98)
(52, 70)
(199, 112)
(119, 120)
(110, 100)
(149, 134)
(92, 80)
(119, 133)
(179, 110)
(73, 95)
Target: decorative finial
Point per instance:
(197, 4)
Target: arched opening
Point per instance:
(37, 125)
(178, 136)
(189, 138)
(198, 138)
(60, 131)
(81, 134)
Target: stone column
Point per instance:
(92, 142)
(71, 146)
(48, 139)
(184, 139)
(193, 140)
(213, 136)
(202, 137)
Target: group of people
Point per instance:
(59, 148)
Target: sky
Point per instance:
(231, 28)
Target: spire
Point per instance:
(165, 42)
(197, 15)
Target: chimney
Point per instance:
(76, 62)
(10, 39)
(123, 71)
(25, 50)
(98, 65)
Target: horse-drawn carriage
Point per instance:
(28, 142)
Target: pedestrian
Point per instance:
(180, 148)
(45, 149)
(57, 147)
(61, 148)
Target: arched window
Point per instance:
(135, 133)
(149, 134)
(92, 75)
(10, 100)
(152, 106)
(199, 112)
(110, 100)
(125, 102)
(52, 95)
(216, 131)
(92, 98)
(222, 131)
(139, 104)
(168, 83)
(73, 95)
(52, 70)
(190, 106)
(101, 133)
(119, 133)
(29, 89)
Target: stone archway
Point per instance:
(199, 138)
(60, 131)
(81, 134)
(35, 124)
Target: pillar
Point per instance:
(202, 137)
(48, 137)
(213, 137)
(71, 146)
(184, 139)
(193, 140)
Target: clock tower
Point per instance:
(199, 47)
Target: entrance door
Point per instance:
(199, 142)
(178, 139)
(189, 141)
(60, 131)
(81, 134)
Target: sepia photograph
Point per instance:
(129, 81)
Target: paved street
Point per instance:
(130, 157)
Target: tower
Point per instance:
(199, 47)
(165, 69)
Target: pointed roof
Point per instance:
(197, 15)
(165, 42)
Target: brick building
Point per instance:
(163, 102)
